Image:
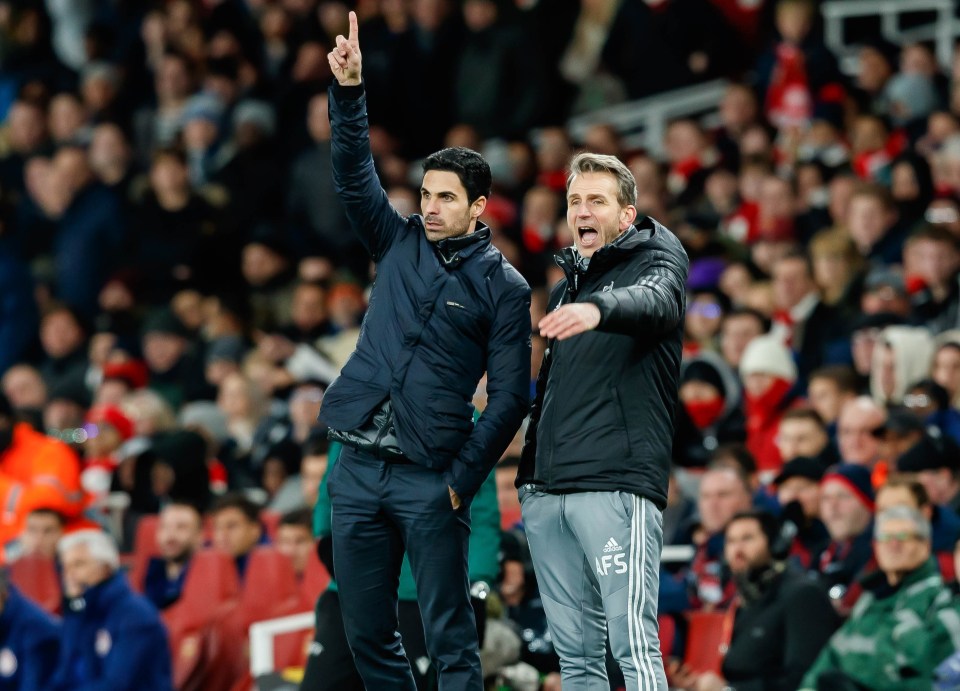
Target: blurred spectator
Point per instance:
(167, 351)
(42, 531)
(156, 127)
(739, 327)
(846, 509)
(111, 635)
(787, 614)
(295, 538)
(107, 429)
(497, 86)
(930, 402)
(836, 267)
(35, 472)
(901, 430)
(710, 412)
(802, 433)
(236, 528)
(18, 310)
(768, 374)
(30, 638)
(871, 220)
(901, 490)
(906, 616)
(724, 491)
(900, 357)
(931, 259)
(885, 292)
(26, 134)
(280, 476)
(63, 336)
(179, 536)
(859, 419)
(24, 388)
(798, 492)
(828, 390)
(802, 320)
(935, 462)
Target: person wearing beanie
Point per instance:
(768, 373)
(710, 412)
(935, 462)
(35, 472)
(107, 428)
(846, 509)
(798, 493)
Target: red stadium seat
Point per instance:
(268, 572)
(668, 634)
(704, 638)
(144, 548)
(211, 590)
(37, 578)
(270, 521)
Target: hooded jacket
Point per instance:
(693, 446)
(606, 399)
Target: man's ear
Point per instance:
(477, 207)
(627, 216)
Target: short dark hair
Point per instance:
(473, 171)
(239, 501)
(769, 524)
(842, 376)
(316, 445)
(804, 414)
(186, 504)
(300, 517)
(917, 490)
(749, 312)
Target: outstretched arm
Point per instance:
(372, 218)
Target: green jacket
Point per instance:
(895, 642)
(484, 548)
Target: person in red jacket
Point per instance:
(35, 472)
(768, 373)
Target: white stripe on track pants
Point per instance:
(597, 560)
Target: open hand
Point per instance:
(345, 57)
(570, 320)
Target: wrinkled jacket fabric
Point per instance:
(894, 642)
(113, 639)
(440, 315)
(606, 399)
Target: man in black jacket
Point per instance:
(593, 474)
(445, 308)
(780, 620)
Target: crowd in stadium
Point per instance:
(179, 285)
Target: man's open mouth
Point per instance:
(587, 235)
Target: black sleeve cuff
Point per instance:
(347, 93)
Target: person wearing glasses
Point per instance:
(905, 623)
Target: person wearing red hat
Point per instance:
(107, 428)
(846, 509)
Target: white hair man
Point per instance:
(110, 634)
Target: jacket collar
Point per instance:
(628, 243)
(100, 597)
(453, 251)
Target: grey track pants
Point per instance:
(597, 560)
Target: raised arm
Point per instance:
(369, 212)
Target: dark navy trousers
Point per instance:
(380, 509)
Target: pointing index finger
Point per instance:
(354, 31)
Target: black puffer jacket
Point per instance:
(603, 416)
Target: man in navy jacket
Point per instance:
(112, 637)
(29, 642)
(445, 308)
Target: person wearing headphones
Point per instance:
(780, 618)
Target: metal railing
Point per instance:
(943, 30)
(643, 123)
